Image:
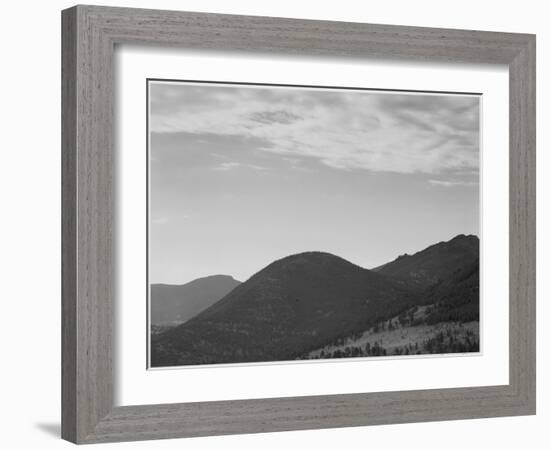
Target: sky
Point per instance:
(241, 176)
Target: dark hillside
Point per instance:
(435, 263)
(178, 303)
(310, 301)
(293, 305)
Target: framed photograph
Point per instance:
(268, 222)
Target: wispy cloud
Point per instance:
(449, 184)
(235, 165)
(385, 132)
(227, 166)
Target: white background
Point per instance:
(134, 385)
(30, 226)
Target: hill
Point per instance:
(314, 302)
(292, 306)
(433, 264)
(172, 304)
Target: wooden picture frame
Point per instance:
(90, 34)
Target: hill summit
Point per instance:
(293, 305)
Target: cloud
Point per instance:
(235, 165)
(271, 117)
(227, 166)
(448, 183)
(346, 130)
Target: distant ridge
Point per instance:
(434, 263)
(178, 303)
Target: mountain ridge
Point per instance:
(172, 303)
(434, 263)
(291, 306)
(303, 301)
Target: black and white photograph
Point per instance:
(291, 223)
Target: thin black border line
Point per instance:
(147, 285)
(234, 83)
(311, 86)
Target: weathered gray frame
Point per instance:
(89, 36)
